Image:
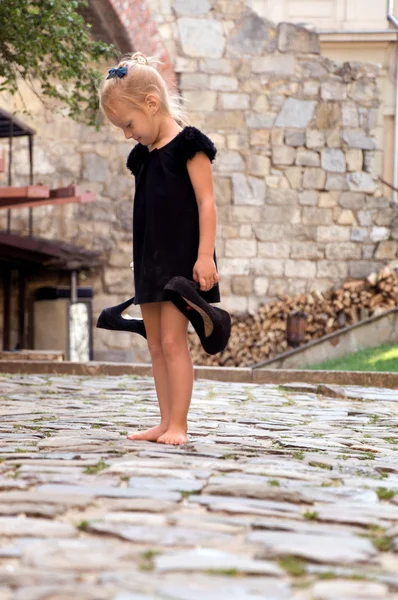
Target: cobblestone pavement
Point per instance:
(282, 493)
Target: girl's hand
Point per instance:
(205, 273)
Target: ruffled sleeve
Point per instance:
(194, 141)
(136, 157)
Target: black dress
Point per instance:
(166, 216)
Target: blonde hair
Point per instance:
(142, 79)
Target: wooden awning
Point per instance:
(19, 251)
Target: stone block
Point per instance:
(261, 285)
(259, 165)
(216, 66)
(379, 234)
(294, 175)
(195, 44)
(296, 114)
(368, 250)
(354, 158)
(359, 234)
(194, 81)
(193, 8)
(247, 189)
(242, 285)
(288, 214)
(222, 191)
(246, 231)
(365, 218)
(349, 115)
(364, 92)
(314, 179)
(311, 88)
(293, 38)
(336, 182)
(229, 161)
(185, 65)
(369, 162)
(385, 216)
(283, 65)
(314, 69)
(223, 83)
(283, 155)
(245, 214)
(360, 269)
(253, 36)
(235, 141)
(308, 158)
(295, 138)
(315, 139)
(333, 138)
(234, 101)
(353, 200)
(266, 232)
(333, 233)
(259, 137)
(233, 266)
(328, 199)
(387, 250)
(261, 121)
(333, 160)
(313, 215)
(267, 267)
(300, 268)
(328, 115)
(95, 168)
(346, 217)
(357, 138)
(332, 269)
(281, 197)
(309, 198)
(333, 90)
(273, 249)
(204, 99)
(343, 251)
(361, 182)
(307, 250)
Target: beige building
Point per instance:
(355, 30)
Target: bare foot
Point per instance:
(149, 435)
(174, 436)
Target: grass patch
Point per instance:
(97, 468)
(385, 494)
(299, 454)
(228, 572)
(383, 543)
(383, 358)
(274, 482)
(83, 525)
(310, 515)
(123, 432)
(292, 565)
(146, 560)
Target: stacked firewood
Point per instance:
(255, 338)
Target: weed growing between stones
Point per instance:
(94, 469)
(385, 494)
(292, 565)
(299, 454)
(310, 515)
(146, 560)
(274, 482)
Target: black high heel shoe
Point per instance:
(213, 325)
(111, 318)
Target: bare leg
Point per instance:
(180, 372)
(151, 313)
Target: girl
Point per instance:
(174, 226)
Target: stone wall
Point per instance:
(298, 207)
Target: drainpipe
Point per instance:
(394, 21)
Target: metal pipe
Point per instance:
(359, 31)
(31, 182)
(394, 21)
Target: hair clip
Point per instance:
(141, 60)
(117, 72)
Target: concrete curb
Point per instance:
(227, 374)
